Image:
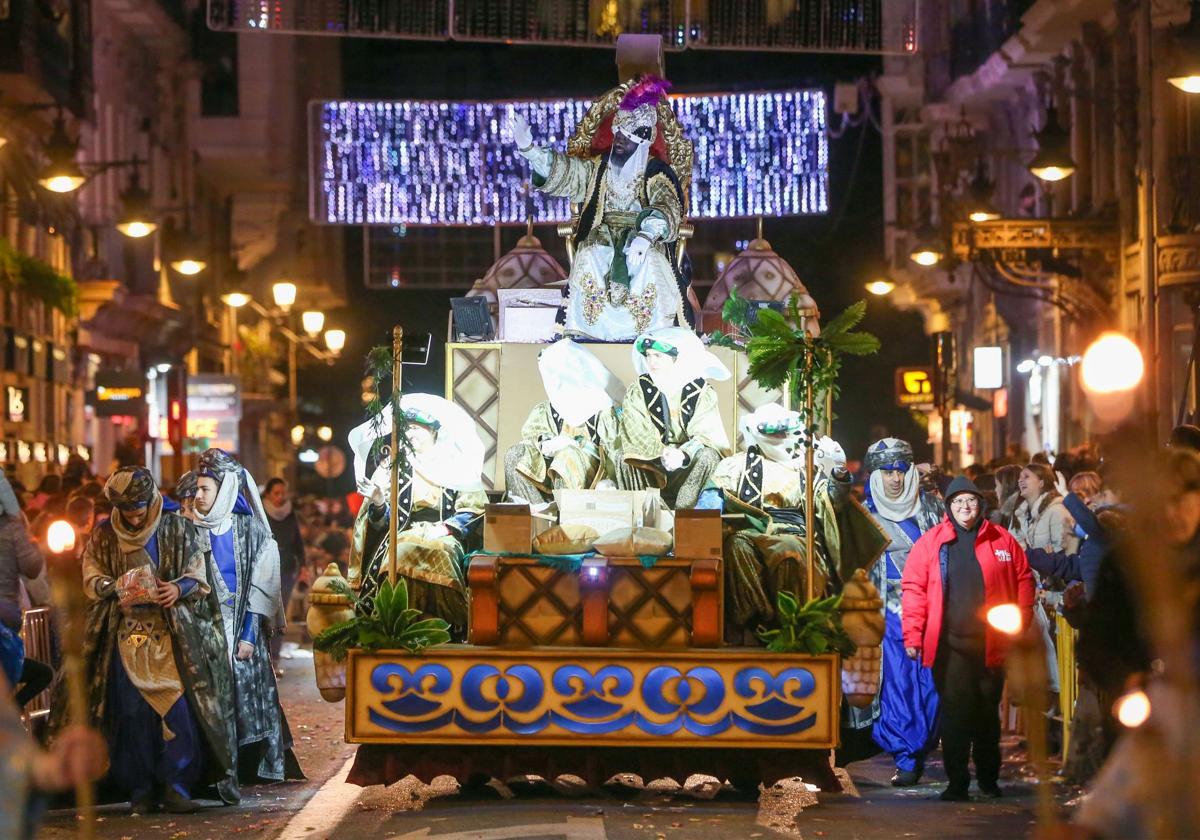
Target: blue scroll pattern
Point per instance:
(571, 699)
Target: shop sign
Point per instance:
(16, 404)
(214, 409)
(119, 394)
(988, 368)
(914, 388)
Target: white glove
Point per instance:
(521, 134)
(636, 250)
(673, 458)
(554, 445)
(372, 492)
(1060, 483)
(829, 455)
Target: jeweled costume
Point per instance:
(904, 716)
(610, 298)
(567, 440)
(671, 434)
(243, 570)
(767, 555)
(441, 502)
(159, 686)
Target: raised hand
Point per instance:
(521, 134)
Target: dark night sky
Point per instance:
(834, 254)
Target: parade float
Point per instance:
(586, 661)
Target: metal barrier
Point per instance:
(35, 632)
(1068, 677)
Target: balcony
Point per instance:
(986, 25)
(45, 52)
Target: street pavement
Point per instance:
(325, 806)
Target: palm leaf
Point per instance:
(856, 344)
(849, 318)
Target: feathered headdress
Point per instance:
(646, 91)
(638, 111)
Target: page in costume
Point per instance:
(159, 680)
(566, 441)
(671, 434)
(243, 571)
(441, 502)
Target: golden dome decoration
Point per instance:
(757, 273)
(527, 266)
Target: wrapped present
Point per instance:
(137, 586)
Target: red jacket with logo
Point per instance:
(1006, 580)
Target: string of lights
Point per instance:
(452, 163)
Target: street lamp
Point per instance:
(979, 196)
(313, 322)
(61, 174)
(325, 433)
(235, 299)
(335, 340)
(284, 294)
(297, 435)
(187, 254)
(881, 287)
(1053, 161)
(1185, 74)
(137, 219)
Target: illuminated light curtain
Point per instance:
(451, 163)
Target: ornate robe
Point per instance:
(194, 651)
(769, 555)
(433, 565)
(528, 472)
(652, 420)
(607, 300)
(262, 728)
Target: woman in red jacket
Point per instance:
(955, 573)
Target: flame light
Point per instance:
(60, 537)
(1133, 709)
(1006, 618)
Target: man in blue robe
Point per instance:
(243, 571)
(904, 717)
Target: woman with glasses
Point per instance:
(955, 573)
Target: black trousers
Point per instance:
(969, 701)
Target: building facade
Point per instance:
(1041, 265)
(214, 131)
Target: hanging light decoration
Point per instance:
(61, 174)
(137, 216)
(1185, 73)
(1053, 161)
(979, 196)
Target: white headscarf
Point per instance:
(455, 461)
(693, 362)
(906, 505)
(784, 449)
(578, 384)
(220, 515)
